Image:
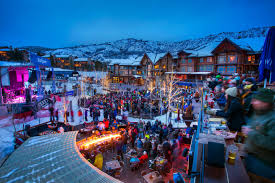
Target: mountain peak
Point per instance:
(133, 47)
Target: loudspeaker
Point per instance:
(33, 77)
(49, 75)
(28, 129)
(215, 154)
(28, 95)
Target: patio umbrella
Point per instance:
(267, 61)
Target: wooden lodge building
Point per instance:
(226, 58)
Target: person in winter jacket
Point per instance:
(233, 110)
(56, 115)
(260, 142)
(139, 145)
(72, 115)
(86, 115)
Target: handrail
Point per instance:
(195, 144)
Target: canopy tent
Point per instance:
(181, 83)
(51, 158)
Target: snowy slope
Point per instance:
(252, 39)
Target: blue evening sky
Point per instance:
(59, 23)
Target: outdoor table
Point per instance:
(129, 153)
(230, 173)
(152, 177)
(160, 161)
(113, 165)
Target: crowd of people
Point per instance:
(249, 109)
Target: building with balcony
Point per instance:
(84, 64)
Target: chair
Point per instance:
(121, 163)
(118, 157)
(143, 172)
(118, 173)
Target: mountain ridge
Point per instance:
(132, 47)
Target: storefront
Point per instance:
(14, 82)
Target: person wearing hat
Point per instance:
(233, 110)
(246, 97)
(260, 142)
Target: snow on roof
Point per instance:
(95, 74)
(81, 59)
(204, 51)
(46, 56)
(128, 61)
(62, 56)
(175, 54)
(51, 158)
(251, 44)
(5, 49)
(58, 69)
(192, 73)
(8, 64)
(155, 56)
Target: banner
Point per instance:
(39, 61)
(5, 76)
(44, 103)
(70, 93)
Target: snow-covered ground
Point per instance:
(7, 129)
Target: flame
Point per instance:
(109, 137)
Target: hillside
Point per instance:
(251, 39)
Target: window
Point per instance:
(164, 67)
(251, 58)
(221, 69)
(232, 58)
(221, 59)
(231, 69)
(139, 72)
(183, 61)
(201, 68)
(201, 60)
(189, 60)
(115, 79)
(209, 68)
(121, 72)
(209, 59)
(183, 69)
(189, 69)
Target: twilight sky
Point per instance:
(59, 23)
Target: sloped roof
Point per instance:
(46, 56)
(155, 56)
(251, 44)
(254, 44)
(128, 61)
(51, 158)
(204, 51)
(62, 56)
(19, 64)
(81, 59)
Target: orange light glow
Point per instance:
(109, 137)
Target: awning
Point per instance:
(137, 76)
(191, 73)
(51, 158)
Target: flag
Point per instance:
(267, 64)
(38, 61)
